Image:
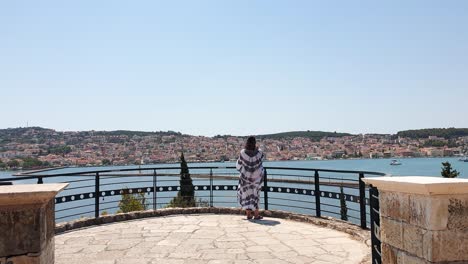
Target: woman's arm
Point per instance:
(262, 155)
(239, 164)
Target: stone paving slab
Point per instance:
(207, 239)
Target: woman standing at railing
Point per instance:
(251, 171)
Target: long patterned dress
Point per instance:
(250, 167)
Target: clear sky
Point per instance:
(234, 67)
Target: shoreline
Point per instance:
(25, 172)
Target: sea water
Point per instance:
(410, 166)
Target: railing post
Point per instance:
(362, 200)
(318, 213)
(375, 225)
(211, 187)
(39, 180)
(154, 190)
(265, 189)
(96, 196)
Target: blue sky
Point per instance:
(234, 67)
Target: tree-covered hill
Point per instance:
(446, 133)
(131, 133)
(315, 135)
(39, 135)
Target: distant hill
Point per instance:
(315, 135)
(20, 131)
(446, 133)
(39, 135)
(131, 133)
(21, 134)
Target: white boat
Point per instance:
(465, 159)
(395, 162)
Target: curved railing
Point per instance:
(319, 192)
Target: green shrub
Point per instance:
(132, 202)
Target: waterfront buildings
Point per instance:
(124, 147)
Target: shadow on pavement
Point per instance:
(265, 222)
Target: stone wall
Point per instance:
(423, 219)
(27, 223)
(27, 232)
(423, 229)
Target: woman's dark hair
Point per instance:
(250, 144)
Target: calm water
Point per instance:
(409, 167)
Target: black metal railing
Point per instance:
(375, 225)
(318, 192)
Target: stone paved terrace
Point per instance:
(207, 238)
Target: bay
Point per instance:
(409, 167)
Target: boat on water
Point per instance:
(465, 159)
(395, 162)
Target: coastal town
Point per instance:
(91, 148)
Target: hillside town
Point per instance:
(91, 148)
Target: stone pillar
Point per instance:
(423, 219)
(27, 223)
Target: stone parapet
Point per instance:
(423, 219)
(27, 222)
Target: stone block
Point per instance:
(21, 230)
(395, 205)
(429, 212)
(156, 213)
(190, 210)
(48, 220)
(440, 246)
(90, 221)
(389, 254)
(119, 217)
(48, 253)
(24, 260)
(267, 213)
(106, 219)
(279, 214)
(403, 257)
(214, 210)
(59, 228)
(137, 215)
(464, 246)
(204, 210)
(46, 256)
(225, 210)
(172, 211)
(391, 232)
(458, 213)
(413, 239)
(77, 224)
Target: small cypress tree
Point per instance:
(343, 207)
(186, 195)
(447, 171)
